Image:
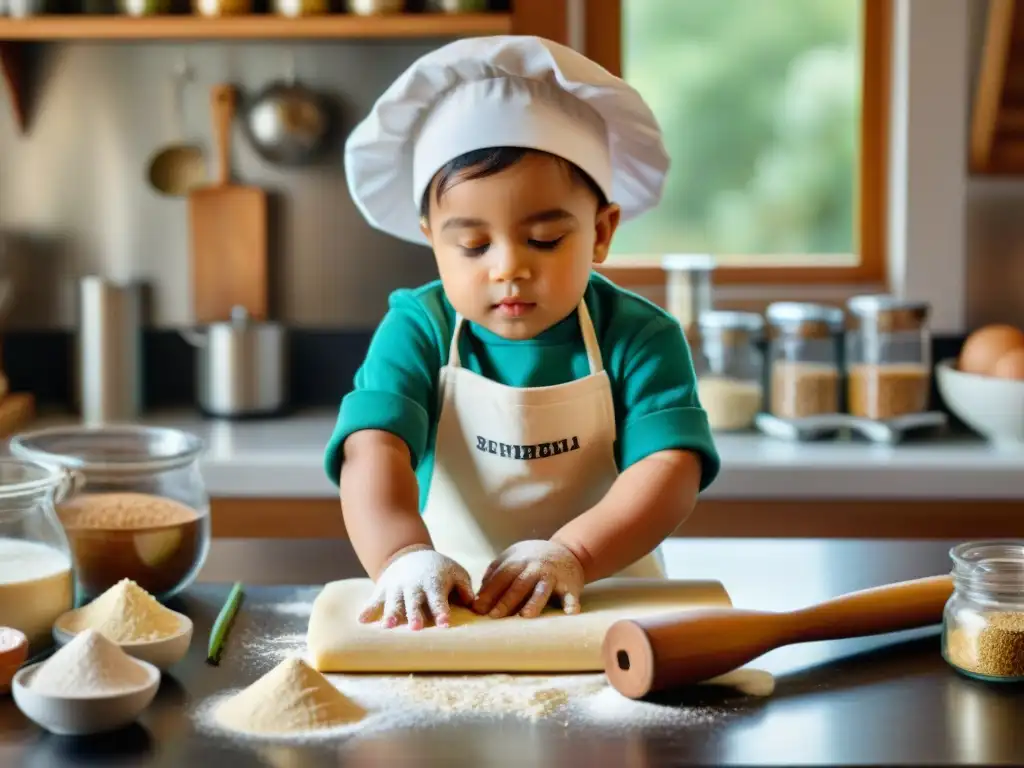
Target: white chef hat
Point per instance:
(507, 90)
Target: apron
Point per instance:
(516, 463)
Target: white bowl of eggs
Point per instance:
(984, 386)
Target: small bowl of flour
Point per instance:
(88, 686)
(130, 617)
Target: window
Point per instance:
(775, 115)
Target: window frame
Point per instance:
(601, 39)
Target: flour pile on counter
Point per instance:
(90, 665)
(125, 613)
(291, 698)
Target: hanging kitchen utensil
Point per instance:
(179, 166)
(287, 123)
(228, 225)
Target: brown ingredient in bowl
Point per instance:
(152, 540)
(804, 389)
(881, 392)
(997, 650)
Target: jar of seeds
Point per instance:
(803, 349)
(888, 357)
(983, 623)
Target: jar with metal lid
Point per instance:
(803, 349)
(139, 510)
(731, 384)
(688, 292)
(888, 357)
(983, 621)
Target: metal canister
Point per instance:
(688, 290)
(109, 350)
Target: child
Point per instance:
(521, 425)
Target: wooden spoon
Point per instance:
(642, 656)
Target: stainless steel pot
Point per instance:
(241, 367)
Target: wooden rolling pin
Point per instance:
(642, 656)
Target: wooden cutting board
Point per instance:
(228, 224)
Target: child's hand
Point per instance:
(416, 580)
(530, 571)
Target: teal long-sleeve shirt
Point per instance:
(645, 354)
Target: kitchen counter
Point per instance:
(284, 459)
(881, 700)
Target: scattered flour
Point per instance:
(393, 702)
(125, 613)
(89, 665)
(291, 698)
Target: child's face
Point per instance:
(514, 250)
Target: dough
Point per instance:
(551, 642)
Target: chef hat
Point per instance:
(508, 90)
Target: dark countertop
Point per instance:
(879, 700)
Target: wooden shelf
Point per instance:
(255, 27)
(18, 35)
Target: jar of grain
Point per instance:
(36, 567)
(804, 345)
(888, 357)
(688, 289)
(140, 510)
(730, 385)
(983, 622)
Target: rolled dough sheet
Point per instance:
(551, 642)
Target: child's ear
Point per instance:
(607, 222)
(425, 228)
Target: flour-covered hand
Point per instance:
(417, 584)
(524, 578)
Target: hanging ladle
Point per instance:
(178, 166)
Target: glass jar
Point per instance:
(983, 622)
(36, 574)
(730, 385)
(140, 510)
(888, 357)
(688, 292)
(456, 6)
(373, 7)
(803, 349)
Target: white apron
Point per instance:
(516, 463)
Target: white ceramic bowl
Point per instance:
(81, 716)
(992, 407)
(160, 653)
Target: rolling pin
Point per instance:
(643, 656)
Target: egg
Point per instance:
(1010, 365)
(986, 346)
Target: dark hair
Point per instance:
(487, 162)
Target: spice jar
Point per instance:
(688, 288)
(215, 8)
(730, 386)
(140, 510)
(803, 347)
(983, 622)
(373, 7)
(888, 357)
(36, 573)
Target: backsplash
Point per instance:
(75, 199)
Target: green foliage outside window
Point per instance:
(760, 104)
